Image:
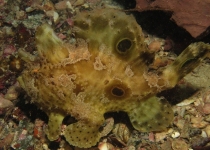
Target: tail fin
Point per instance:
(188, 60)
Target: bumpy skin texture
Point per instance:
(105, 71)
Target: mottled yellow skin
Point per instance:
(106, 70)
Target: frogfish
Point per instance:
(104, 70)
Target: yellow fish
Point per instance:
(105, 70)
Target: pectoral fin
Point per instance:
(83, 134)
(54, 126)
(153, 114)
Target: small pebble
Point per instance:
(207, 130)
(198, 141)
(206, 108)
(12, 92)
(162, 135)
(203, 134)
(207, 118)
(175, 134)
(4, 104)
(45, 146)
(194, 132)
(179, 144)
(105, 146)
(186, 102)
(169, 44)
(154, 46)
(198, 122)
(79, 2)
(179, 122)
(61, 5)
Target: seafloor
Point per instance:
(22, 124)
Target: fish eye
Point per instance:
(123, 46)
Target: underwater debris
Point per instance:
(121, 133)
(89, 79)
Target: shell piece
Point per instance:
(121, 132)
(5, 103)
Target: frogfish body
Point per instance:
(105, 70)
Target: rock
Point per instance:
(179, 122)
(162, 135)
(175, 134)
(198, 122)
(206, 108)
(204, 134)
(186, 102)
(179, 144)
(207, 130)
(207, 118)
(4, 104)
(190, 15)
(166, 145)
(12, 92)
